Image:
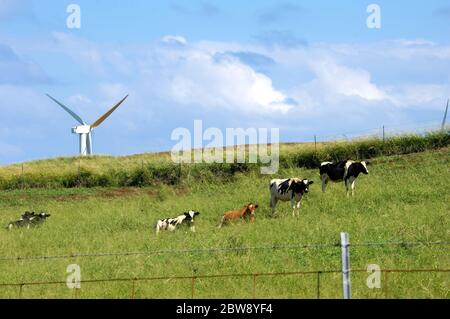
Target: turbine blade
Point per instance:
(75, 116)
(104, 116)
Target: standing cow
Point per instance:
(288, 189)
(346, 171)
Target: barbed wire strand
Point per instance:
(220, 249)
(306, 272)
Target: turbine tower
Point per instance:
(84, 130)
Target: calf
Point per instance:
(290, 189)
(346, 171)
(171, 224)
(28, 219)
(247, 210)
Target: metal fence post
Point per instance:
(345, 266)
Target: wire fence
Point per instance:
(317, 274)
(194, 278)
(222, 249)
(382, 132)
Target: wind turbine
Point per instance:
(84, 130)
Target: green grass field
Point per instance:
(404, 198)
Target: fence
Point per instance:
(133, 281)
(346, 270)
(382, 132)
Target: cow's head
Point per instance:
(44, 215)
(190, 215)
(301, 186)
(364, 169)
(251, 208)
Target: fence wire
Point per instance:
(224, 249)
(193, 279)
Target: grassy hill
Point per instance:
(404, 198)
(157, 168)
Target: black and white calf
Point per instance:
(346, 171)
(288, 189)
(28, 219)
(171, 224)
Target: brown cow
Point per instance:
(247, 210)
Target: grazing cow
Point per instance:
(346, 171)
(171, 224)
(288, 189)
(28, 219)
(247, 210)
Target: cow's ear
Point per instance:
(367, 163)
(196, 213)
(186, 213)
(311, 182)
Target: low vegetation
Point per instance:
(403, 199)
(155, 169)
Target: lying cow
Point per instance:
(28, 220)
(247, 210)
(171, 224)
(346, 171)
(290, 189)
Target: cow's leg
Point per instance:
(324, 182)
(299, 205)
(347, 186)
(273, 204)
(192, 228)
(352, 182)
(221, 222)
(294, 205)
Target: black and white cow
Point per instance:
(288, 189)
(346, 171)
(28, 219)
(171, 224)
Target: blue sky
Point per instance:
(306, 67)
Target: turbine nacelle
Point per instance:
(81, 129)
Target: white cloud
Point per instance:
(201, 80)
(174, 39)
(79, 98)
(341, 80)
(419, 95)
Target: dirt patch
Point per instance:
(124, 192)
